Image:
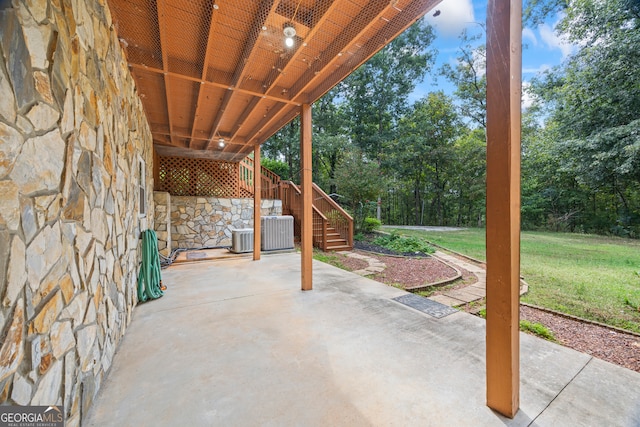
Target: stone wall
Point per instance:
(207, 222)
(72, 131)
(162, 219)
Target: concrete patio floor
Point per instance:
(236, 343)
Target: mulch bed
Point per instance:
(353, 264)
(410, 272)
(597, 341)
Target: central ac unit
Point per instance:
(242, 240)
(277, 232)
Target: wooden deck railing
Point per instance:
(326, 213)
(269, 181)
(340, 220)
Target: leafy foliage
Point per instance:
(358, 192)
(377, 93)
(371, 224)
(593, 132)
(470, 79)
(403, 244)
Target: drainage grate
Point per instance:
(425, 305)
(196, 255)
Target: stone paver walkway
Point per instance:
(471, 293)
(375, 266)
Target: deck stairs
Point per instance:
(332, 226)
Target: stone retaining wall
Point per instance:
(206, 222)
(162, 220)
(72, 134)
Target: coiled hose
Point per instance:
(149, 280)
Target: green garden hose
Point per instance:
(149, 281)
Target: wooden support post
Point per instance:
(307, 198)
(156, 169)
(504, 67)
(257, 203)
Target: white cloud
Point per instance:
(479, 63)
(536, 70)
(527, 97)
(454, 16)
(528, 34)
(554, 41)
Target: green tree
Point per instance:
(378, 91)
(468, 75)
(278, 167)
(285, 147)
(468, 177)
(359, 181)
(330, 139)
(593, 100)
(423, 153)
(537, 11)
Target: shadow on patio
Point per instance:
(236, 342)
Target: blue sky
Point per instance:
(542, 47)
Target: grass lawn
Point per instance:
(593, 277)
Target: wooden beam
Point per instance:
(264, 123)
(207, 54)
(228, 141)
(276, 124)
(267, 7)
(214, 84)
(504, 68)
(257, 203)
(320, 16)
(164, 47)
(282, 65)
(245, 113)
(307, 198)
(156, 168)
(394, 27)
(366, 19)
(369, 17)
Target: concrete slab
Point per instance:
(237, 343)
(595, 394)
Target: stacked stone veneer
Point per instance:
(72, 131)
(162, 218)
(195, 222)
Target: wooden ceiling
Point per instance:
(210, 71)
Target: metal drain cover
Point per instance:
(196, 255)
(425, 305)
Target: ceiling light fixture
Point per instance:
(221, 142)
(289, 34)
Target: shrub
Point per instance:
(402, 244)
(371, 224)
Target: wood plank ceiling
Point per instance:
(219, 71)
